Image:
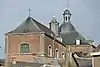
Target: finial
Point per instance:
(53, 19)
(53, 16)
(29, 11)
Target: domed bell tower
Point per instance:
(66, 15)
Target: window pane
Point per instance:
(24, 48)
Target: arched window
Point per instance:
(49, 50)
(63, 55)
(56, 53)
(24, 48)
(66, 19)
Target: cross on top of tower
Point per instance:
(29, 11)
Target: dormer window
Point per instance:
(78, 42)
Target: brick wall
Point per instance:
(14, 42)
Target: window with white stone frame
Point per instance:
(50, 50)
(63, 55)
(56, 53)
(24, 48)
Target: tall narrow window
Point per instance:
(56, 53)
(24, 48)
(63, 55)
(49, 50)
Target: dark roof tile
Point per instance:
(30, 25)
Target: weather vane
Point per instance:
(29, 11)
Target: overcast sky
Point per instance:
(85, 15)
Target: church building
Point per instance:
(32, 44)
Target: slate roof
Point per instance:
(81, 61)
(84, 62)
(69, 34)
(30, 25)
(66, 27)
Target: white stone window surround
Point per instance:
(50, 50)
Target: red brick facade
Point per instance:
(38, 44)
